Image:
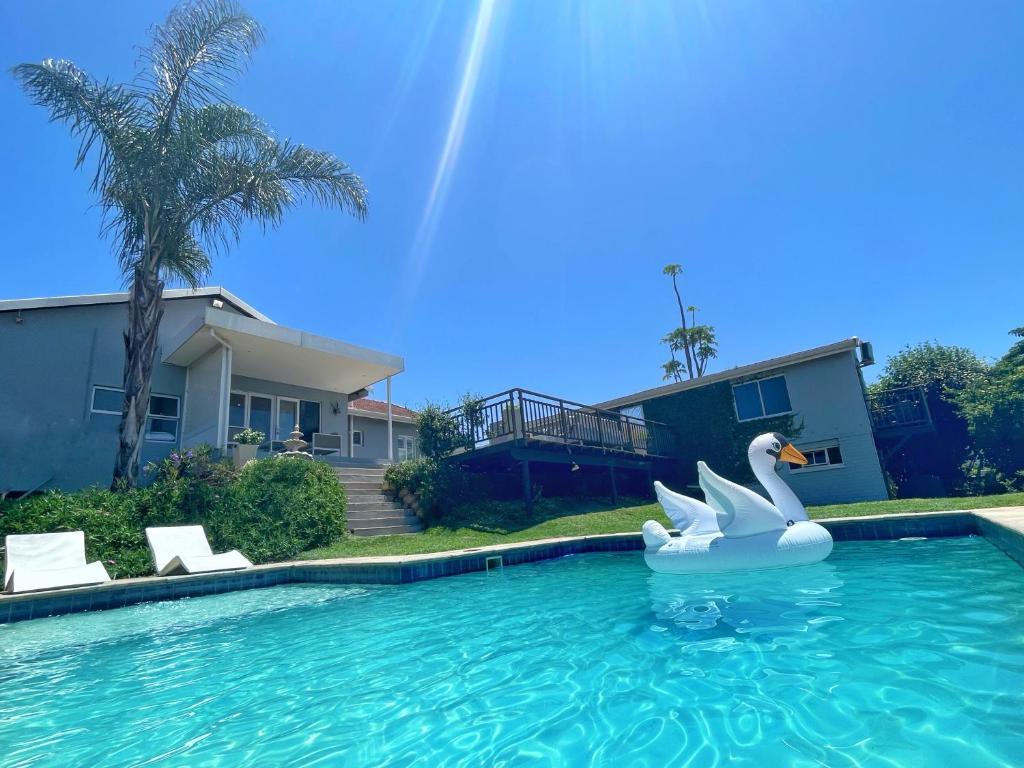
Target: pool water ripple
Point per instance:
(905, 653)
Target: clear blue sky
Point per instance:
(822, 170)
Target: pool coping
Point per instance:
(1004, 527)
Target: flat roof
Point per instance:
(87, 299)
(835, 348)
(264, 350)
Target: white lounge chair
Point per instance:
(37, 561)
(185, 549)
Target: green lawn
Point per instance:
(504, 522)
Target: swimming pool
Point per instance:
(893, 653)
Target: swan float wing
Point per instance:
(690, 516)
(742, 512)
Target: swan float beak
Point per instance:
(791, 455)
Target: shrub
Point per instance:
(279, 507)
(440, 485)
(114, 530)
(272, 510)
(438, 432)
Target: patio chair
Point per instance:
(185, 549)
(37, 561)
(326, 445)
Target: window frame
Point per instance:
(819, 446)
(92, 401)
(175, 419)
(358, 443)
(409, 447)
(760, 397)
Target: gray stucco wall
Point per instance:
(827, 395)
(52, 359)
(202, 400)
(375, 437)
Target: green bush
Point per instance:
(440, 485)
(280, 507)
(114, 530)
(272, 510)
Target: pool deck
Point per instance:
(1004, 527)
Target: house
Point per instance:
(368, 430)
(221, 366)
(815, 397)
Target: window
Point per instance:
(820, 457)
(162, 424)
(635, 411)
(357, 437)
(757, 399)
(107, 400)
(162, 419)
(406, 448)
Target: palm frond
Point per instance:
(201, 48)
(97, 113)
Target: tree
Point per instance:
(179, 170)
(943, 371)
(698, 343)
(674, 270)
(993, 406)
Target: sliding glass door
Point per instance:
(275, 417)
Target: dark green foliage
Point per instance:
(704, 427)
(993, 407)
(438, 432)
(282, 507)
(943, 371)
(440, 485)
(271, 511)
(114, 531)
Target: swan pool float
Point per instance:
(737, 529)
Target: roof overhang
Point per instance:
(264, 350)
(90, 299)
(359, 412)
(839, 347)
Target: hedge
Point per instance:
(271, 511)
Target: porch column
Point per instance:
(391, 427)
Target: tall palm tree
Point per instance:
(179, 169)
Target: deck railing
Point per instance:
(902, 408)
(521, 415)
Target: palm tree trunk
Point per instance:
(145, 310)
(686, 336)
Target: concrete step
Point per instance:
(382, 517)
(361, 486)
(375, 512)
(387, 530)
(381, 502)
(350, 472)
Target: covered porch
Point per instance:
(247, 373)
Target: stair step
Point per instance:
(378, 503)
(361, 486)
(348, 475)
(387, 530)
(373, 514)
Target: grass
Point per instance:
(505, 522)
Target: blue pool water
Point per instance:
(902, 654)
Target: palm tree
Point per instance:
(673, 271)
(179, 170)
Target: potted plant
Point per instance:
(247, 442)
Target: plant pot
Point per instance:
(243, 454)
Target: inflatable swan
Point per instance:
(737, 529)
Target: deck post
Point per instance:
(527, 488)
(615, 487)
